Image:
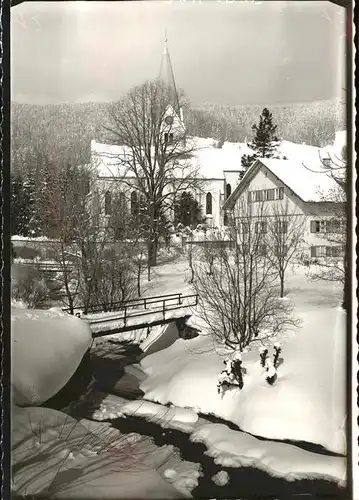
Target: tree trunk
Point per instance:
(281, 277)
(139, 279)
(346, 287)
(152, 252)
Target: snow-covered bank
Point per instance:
(229, 448)
(174, 418)
(306, 403)
(55, 456)
(46, 349)
(237, 449)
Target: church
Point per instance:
(217, 167)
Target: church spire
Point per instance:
(167, 75)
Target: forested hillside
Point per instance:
(65, 130)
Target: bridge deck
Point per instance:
(139, 313)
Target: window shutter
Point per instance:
(313, 251)
(312, 227)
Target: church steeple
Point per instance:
(167, 76)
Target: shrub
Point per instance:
(29, 286)
(25, 252)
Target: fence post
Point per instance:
(179, 298)
(125, 318)
(144, 303)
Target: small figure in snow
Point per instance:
(277, 351)
(232, 374)
(236, 368)
(263, 353)
(225, 377)
(271, 372)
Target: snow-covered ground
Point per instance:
(306, 403)
(55, 456)
(46, 348)
(230, 448)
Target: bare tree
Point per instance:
(334, 165)
(94, 270)
(155, 157)
(285, 234)
(239, 299)
(64, 214)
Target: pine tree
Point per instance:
(20, 206)
(187, 211)
(35, 222)
(265, 141)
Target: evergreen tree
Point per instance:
(187, 211)
(35, 222)
(265, 140)
(20, 206)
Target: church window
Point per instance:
(134, 203)
(108, 203)
(208, 204)
(228, 190)
(169, 138)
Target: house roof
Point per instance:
(310, 184)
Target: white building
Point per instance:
(291, 189)
(217, 168)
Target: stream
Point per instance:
(246, 482)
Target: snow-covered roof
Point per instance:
(310, 184)
(211, 162)
(214, 161)
(106, 159)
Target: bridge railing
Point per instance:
(162, 306)
(173, 299)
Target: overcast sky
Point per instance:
(225, 52)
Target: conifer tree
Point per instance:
(265, 140)
(20, 206)
(35, 221)
(187, 210)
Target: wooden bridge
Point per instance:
(106, 319)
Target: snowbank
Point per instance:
(181, 419)
(306, 403)
(55, 456)
(17, 237)
(111, 407)
(236, 449)
(160, 337)
(47, 347)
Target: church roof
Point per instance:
(168, 78)
(211, 162)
